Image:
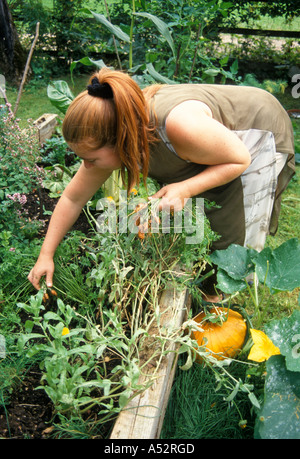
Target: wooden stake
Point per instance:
(27, 67)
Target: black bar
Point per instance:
(268, 33)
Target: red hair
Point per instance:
(122, 122)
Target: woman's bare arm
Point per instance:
(198, 138)
(82, 187)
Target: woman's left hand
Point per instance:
(173, 196)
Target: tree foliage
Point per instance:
(286, 8)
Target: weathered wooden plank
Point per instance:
(143, 416)
(45, 125)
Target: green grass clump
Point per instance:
(196, 411)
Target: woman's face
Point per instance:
(105, 158)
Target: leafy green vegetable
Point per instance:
(279, 417)
(60, 95)
(280, 267)
(162, 28)
(285, 334)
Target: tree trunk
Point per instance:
(12, 55)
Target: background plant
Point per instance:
(192, 26)
(286, 8)
(179, 29)
(20, 173)
(60, 30)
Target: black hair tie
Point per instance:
(102, 90)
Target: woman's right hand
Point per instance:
(43, 267)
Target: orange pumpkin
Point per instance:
(224, 339)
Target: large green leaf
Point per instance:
(236, 260)
(285, 334)
(227, 284)
(87, 61)
(157, 76)
(279, 417)
(115, 30)
(280, 267)
(162, 28)
(60, 95)
(63, 175)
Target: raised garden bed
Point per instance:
(143, 416)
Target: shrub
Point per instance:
(19, 171)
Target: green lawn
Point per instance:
(277, 23)
(34, 101)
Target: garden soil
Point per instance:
(39, 202)
(27, 413)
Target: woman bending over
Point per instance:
(229, 144)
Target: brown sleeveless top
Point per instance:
(236, 107)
